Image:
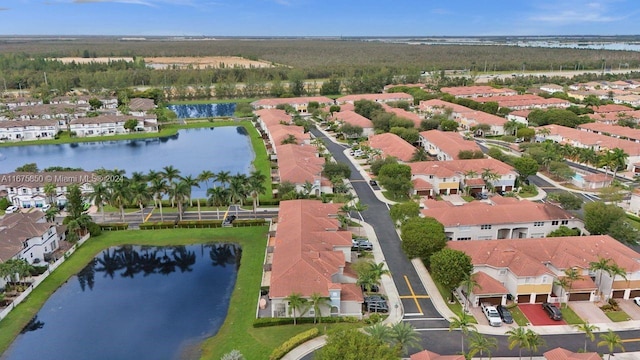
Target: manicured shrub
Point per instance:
(288, 345)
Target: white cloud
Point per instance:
(577, 11)
(139, 2)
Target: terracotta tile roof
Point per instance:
(404, 114)
(392, 145)
(445, 169)
(598, 178)
(435, 168)
(616, 130)
(437, 105)
(385, 97)
(522, 113)
(584, 283)
(615, 116)
(305, 258)
(615, 108)
(273, 116)
(478, 213)
(353, 118)
(299, 163)
(526, 257)
(10, 124)
(527, 100)
(429, 355)
(480, 117)
(487, 285)
(450, 143)
(420, 184)
(322, 100)
(475, 182)
(479, 91)
(592, 139)
(564, 354)
(281, 132)
(140, 104)
(17, 228)
(343, 107)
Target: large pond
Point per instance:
(135, 302)
(226, 148)
(188, 111)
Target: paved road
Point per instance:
(433, 329)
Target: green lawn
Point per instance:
(570, 316)
(518, 316)
(527, 194)
(455, 307)
(113, 209)
(390, 196)
(617, 316)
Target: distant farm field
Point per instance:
(180, 62)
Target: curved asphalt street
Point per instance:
(418, 308)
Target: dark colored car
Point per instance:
(373, 299)
(229, 220)
(380, 306)
(505, 314)
(374, 288)
(373, 183)
(553, 312)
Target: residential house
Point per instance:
(564, 354)
(529, 268)
(614, 117)
(454, 176)
(521, 116)
(354, 119)
(301, 104)
(20, 101)
(430, 355)
(551, 88)
(311, 255)
(506, 218)
(379, 98)
(26, 189)
(269, 117)
(610, 108)
(392, 145)
(29, 237)
(631, 99)
(13, 130)
(597, 142)
(300, 165)
(471, 120)
(583, 94)
(620, 132)
(104, 125)
(590, 181)
(141, 106)
(402, 113)
(526, 101)
(446, 145)
(437, 106)
(477, 91)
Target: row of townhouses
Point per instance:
(28, 189)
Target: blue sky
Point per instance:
(319, 17)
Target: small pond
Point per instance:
(135, 302)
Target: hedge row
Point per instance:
(266, 322)
(114, 226)
(199, 224)
(290, 344)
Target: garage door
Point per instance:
(524, 298)
(580, 296)
(540, 298)
(443, 191)
(494, 300)
(453, 191)
(634, 293)
(618, 294)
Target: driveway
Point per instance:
(589, 311)
(537, 316)
(630, 308)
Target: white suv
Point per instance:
(11, 209)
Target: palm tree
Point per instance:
(376, 270)
(405, 336)
(178, 192)
(462, 322)
(140, 195)
(615, 271)
(619, 158)
(572, 275)
(191, 182)
(588, 330)
(218, 196)
(158, 188)
(205, 176)
(317, 301)
(296, 302)
(511, 127)
(99, 196)
(255, 187)
(534, 340)
(120, 195)
(489, 176)
(602, 265)
(50, 214)
(420, 154)
(223, 178)
(481, 344)
(517, 337)
(169, 173)
(469, 284)
(50, 190)
(379, 331)
(612, 341)
(563, 282)
(237, 189)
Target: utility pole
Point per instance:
(45, 79)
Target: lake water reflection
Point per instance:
(135, 302)
(226, 148)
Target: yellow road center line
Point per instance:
(413, 294)
(148, 216)
(416, 297)
(630, 340)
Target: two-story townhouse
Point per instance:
(109, 124)
(141, 106)
(302, 165)
(379, 98)
(301, 104)
(597, 142)
(402, 113)
(29, 237)
(437, 106)
(631, 99)
(311, 255)
(27, 189)
(478, 91)
(470, 176)
(526, 101)
(13, 130)
(471, 121)
(529, 268)
(620, 132)
(20, 101)
(520, 116)
(614, 117)
(551, 88)
(354, 119)
(500, 218)
(610, 108)
(445, 146)
(392, 145)
(269, 117)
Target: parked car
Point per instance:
(492, 315)
(46, 207)
(505, 314)
(362, 244)
(374, 288)
(481, 196)
(373, 298)
(553, 312)
(373, 183)
(11, 209)
(637, 300)
(380, 306)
